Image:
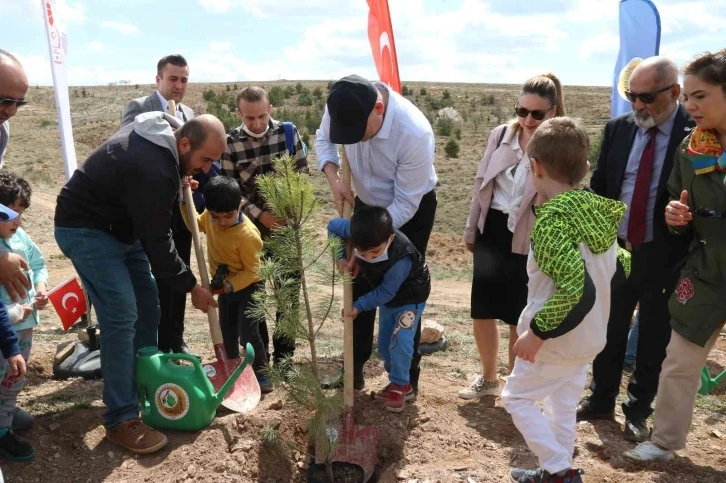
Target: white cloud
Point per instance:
(220, 46)
(123, 28)
(604, 43)
(95, 46)
(216, 6)
(283, 8)
(71, 12)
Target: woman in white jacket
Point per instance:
(500, 221)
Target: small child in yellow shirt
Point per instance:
(234, 245)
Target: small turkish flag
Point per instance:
(69, 301)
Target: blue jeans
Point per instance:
(632, 347)
(396, 330)
(123, 292)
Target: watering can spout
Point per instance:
(249, 357)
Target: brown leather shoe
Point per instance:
(137, 437)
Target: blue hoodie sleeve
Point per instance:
(8, 337)
(388, 289)
(339, 227)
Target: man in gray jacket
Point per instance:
(172, 77)
(113, 221)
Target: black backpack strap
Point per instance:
(501, 136)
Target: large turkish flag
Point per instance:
(380, 34)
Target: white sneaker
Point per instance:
(478, 388)
(649, 451)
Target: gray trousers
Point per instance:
(11, 385)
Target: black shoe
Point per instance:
(541, 476)
(586, 412)
(636, 430)
(15, 448)
(22, 420)
(359, 382)
(183, 349)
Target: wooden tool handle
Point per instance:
(347, 302)
(212, 318)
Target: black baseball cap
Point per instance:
(350, 102)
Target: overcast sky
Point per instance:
(496, 41)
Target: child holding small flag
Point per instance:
(15, 198)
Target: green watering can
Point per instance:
(179, 397)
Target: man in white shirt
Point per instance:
(390, 146)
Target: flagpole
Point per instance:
(57, 48)
(394, 52)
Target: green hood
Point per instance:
(588, 217)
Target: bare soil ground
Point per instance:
(439, 438)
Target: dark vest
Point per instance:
(416, 287)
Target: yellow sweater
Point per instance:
(237, 246)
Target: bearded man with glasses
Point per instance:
(635, 161)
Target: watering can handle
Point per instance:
(186, 357)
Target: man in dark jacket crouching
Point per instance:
(113, 220)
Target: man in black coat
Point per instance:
(113, 221)
(635, 161)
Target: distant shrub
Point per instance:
(451, 148)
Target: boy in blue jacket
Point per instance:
(15, 194)
(401, 285)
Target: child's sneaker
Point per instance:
(541, 476)
(383, 394)
(648, 451)
(478, 388)
(266, 385)
(15, 448)
(396, 399)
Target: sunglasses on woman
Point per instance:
(8, 102)
(537, 115)
(646, 97)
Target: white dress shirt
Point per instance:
(662, 140)
(509, 185)
(165, 105)
(395, 168)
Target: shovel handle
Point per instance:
(212, 318)
(347, 302)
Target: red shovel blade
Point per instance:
(357, 445)
(245, 394)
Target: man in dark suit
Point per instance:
(635, 161)
(172, 77)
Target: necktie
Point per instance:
(639, 203)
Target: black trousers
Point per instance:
(649, 284)
(418, 230)
(238, 327)
(171, 302)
